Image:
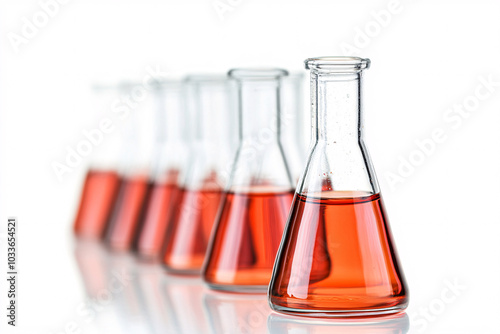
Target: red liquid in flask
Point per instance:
(128, 212)
(161, 203)
(338, 256)
(247, 238)
(96, 203)
(190, 229)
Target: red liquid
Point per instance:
(98, 195)
(161, 204)
(128, 212)
(246, 240)
(338, 256)
(190, 229)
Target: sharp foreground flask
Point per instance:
(337, 256)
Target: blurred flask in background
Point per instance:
(256, 204)
(101, 183)
(135, 168)
(170, 153)
(210, 98)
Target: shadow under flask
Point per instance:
(255, 206)
(337, 257)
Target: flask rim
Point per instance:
(257, 73)
(337, 64)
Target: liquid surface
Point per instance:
(338, 256)
(128, 212)
(246, 239)
(189, 231)
(96, 202)
(159, 208)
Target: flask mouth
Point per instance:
(337, 64)
(257, 73)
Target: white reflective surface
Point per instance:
(129, 296)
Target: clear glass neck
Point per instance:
(338, 164)
(212, 142)
(260, 160)
(214, 104)
(336, 103)
(259, 103)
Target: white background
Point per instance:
(428, 58)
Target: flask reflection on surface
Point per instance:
(283, 324)
(183, 297)
(233, 313)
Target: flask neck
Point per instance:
(259, 111)
(336, 103)
(212, 122)
(260, 163)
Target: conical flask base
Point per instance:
(246, 241)
(338, 260)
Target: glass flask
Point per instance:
(171, 134)
(256, 203)
(101, 183)
(135, 170)
(211, 153)
(337, 257)
(293, 124)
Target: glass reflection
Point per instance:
(128, 296)
(183, 296)
(236, 313)
(280, 324)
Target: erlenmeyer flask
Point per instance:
(101, 183)
(211, 153)
(337, 257)
(135, 172)
(170, 153)
(253, 215)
